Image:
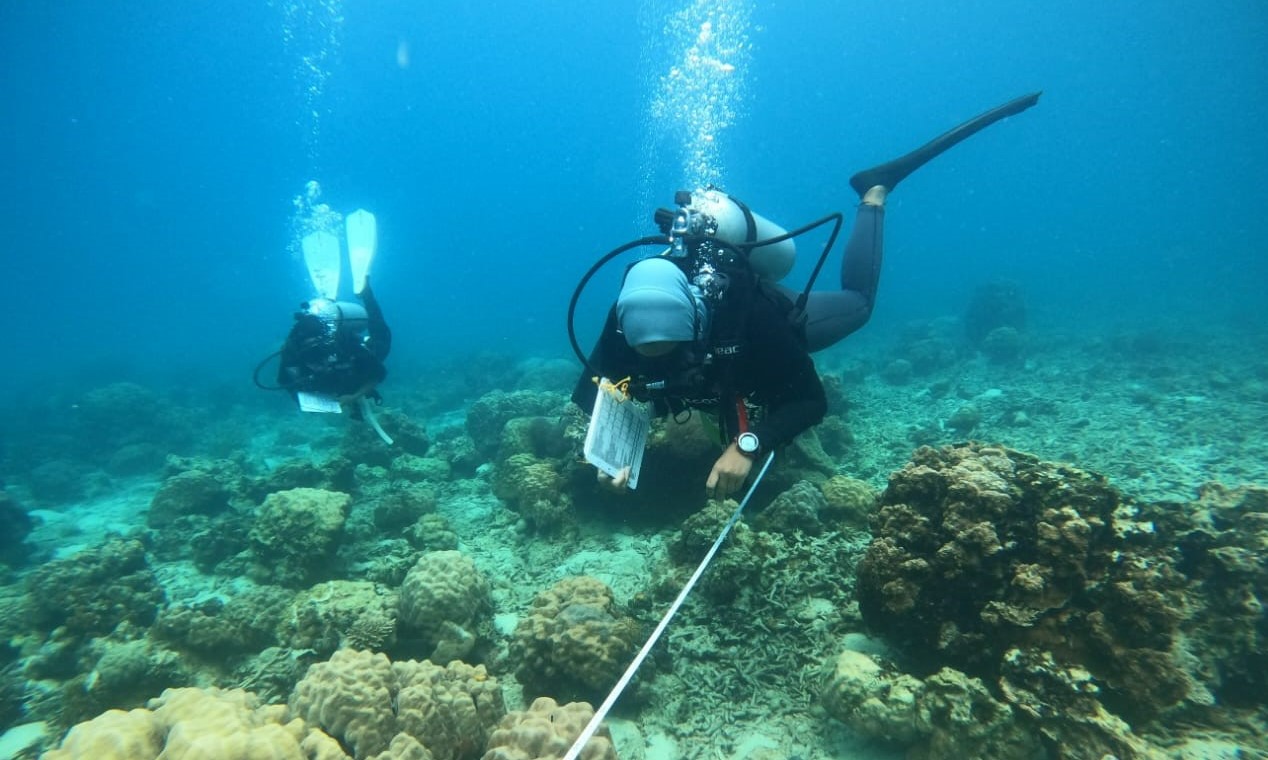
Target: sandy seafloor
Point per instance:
(1157, 412)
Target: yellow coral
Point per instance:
(545, 731)
(193, 724)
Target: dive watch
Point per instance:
(748, 444)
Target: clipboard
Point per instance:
(313, 402)
(617, 433)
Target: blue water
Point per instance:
(150, 152)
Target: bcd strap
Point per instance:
(750, 224)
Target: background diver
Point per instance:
(333, 357)
(704, 326)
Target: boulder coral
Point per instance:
(357, 614)
(849, 501)
(369, 703)
(574, 642)
(194, 723)
(90, 593)
(445, 601)
(547, 730)
(980, 549)
(296, 533)
(947, 714)
(489, 414)
(192, 492)
(534, 488)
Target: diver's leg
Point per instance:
(832, 315)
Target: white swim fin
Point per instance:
(321, 254)
(363, 239)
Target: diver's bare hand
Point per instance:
(617, 484)
(728, 473)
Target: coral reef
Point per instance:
(574, 642)
(1084, 609)
(92, 592)
(335, 614)
(847, 501)
(220, 627)
(366, 702)
(947, 714)
(295, 535)
(489, 415)
(195, 723)
(432, 533)
(547, 730)
(402, 506)
(445, 602)
(15, 526)
(979, 549)
(534, 488)
(414, 469)
(1221, 546)
(796, 509)
(992, 306)
(542, 437)
(192, 492)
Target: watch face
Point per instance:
(747, 442)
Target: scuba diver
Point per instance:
(333, 357)
(704, 325)
(335, 351)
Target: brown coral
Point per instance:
(534, 488)
(574, 642)
(978, 549)
(295, 534)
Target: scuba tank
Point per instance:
(337, 316)
(727, 219)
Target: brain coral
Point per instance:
(574, 643)
(295, 534)
(980, 549)
(369, 703)
(451, 709)
(546, 731)
(445, 599)
(193, 724)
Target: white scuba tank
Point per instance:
(770, 262)
(340, 315)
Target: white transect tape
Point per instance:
(615, 694)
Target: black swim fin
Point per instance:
(891, 173)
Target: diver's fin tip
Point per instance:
(890, 173)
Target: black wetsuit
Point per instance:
(759, 376)
(336, 363)
(771, 368)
